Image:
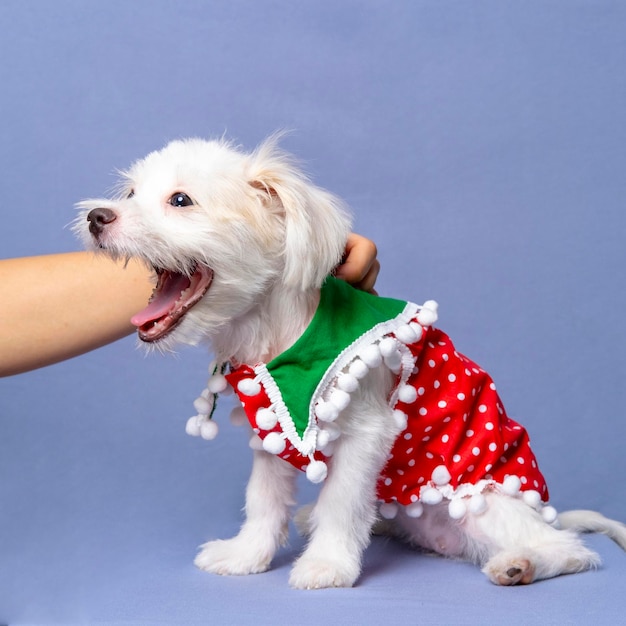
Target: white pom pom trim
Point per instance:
(371, 356)
(249, 387)
(316, 471)
(326, 411)
(208, 430)
(339, 399)
(274, 443)
(441, 476)
(266, 419)
(388, 510)
(407, 394)
(217, 383)
(347, 383)
(202, 405)
(193, 426)
(414, 510)
(358, 369)
(457, 509)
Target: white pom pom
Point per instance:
(407, 394)
(255, 443)
(394, 361)
(532, 498)
(323, 439)
(478, 504)
(238, 416)
(208, 429)
(358, 369)
(388, 346)
(441, 476)
(202, 405)
(193, 426)
(266, 419)
(406, 334)
(428, 314)
(339, 399)
(457, 509)
(274, 443)
(217, 383)
(347, 383)
(511, 485)
(388, 510)
(249, 387)
(549, 514)
(334, 432)
(326, 411)
(414, 510)
(401, 419)
(371, 356)
(417, 329)
(430, 495)
(316, 471)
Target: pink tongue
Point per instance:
(163, 301)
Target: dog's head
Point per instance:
(221, 228)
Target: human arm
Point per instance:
(57, 306)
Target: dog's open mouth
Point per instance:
(173, 296)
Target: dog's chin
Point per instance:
(174, 295)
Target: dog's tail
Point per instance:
(593, 522)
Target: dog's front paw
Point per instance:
(233, 557)
(309, 573)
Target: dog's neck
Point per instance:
(269, 328)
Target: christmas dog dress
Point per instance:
(456, 441)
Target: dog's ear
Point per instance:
(316, 223)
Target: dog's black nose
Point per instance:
(99, 218)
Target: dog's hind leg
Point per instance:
(515, 545)
(269, 498)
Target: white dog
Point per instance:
(362, 393)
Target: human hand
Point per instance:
(359, 267)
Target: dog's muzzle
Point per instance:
(98, 220)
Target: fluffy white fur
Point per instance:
(270, 236)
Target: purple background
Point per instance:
(481, 145)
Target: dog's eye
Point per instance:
(180, 199)
(131, 193)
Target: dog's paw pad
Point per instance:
(320, 574)
(231, 558)
(510, 571)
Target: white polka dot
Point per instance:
(428, 429)
(467, 372)
(421, 391)
(524, 480)
(488, 467)
(470, 468)
(408, 436)
(447, 419)
(427, 438)
(456, 458)
(482, 408)
(431, 363)
(445, 438)
(489, 426)
(451, 377)
(430, 455)
(475, 451)
(493, 447)
(442, 404)
(409, 450)
(388, 481)
(469, 433)
(423, 411)
(520, 460)
(436, 384)
(460, 396)
(445, 357)
(411, 463)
